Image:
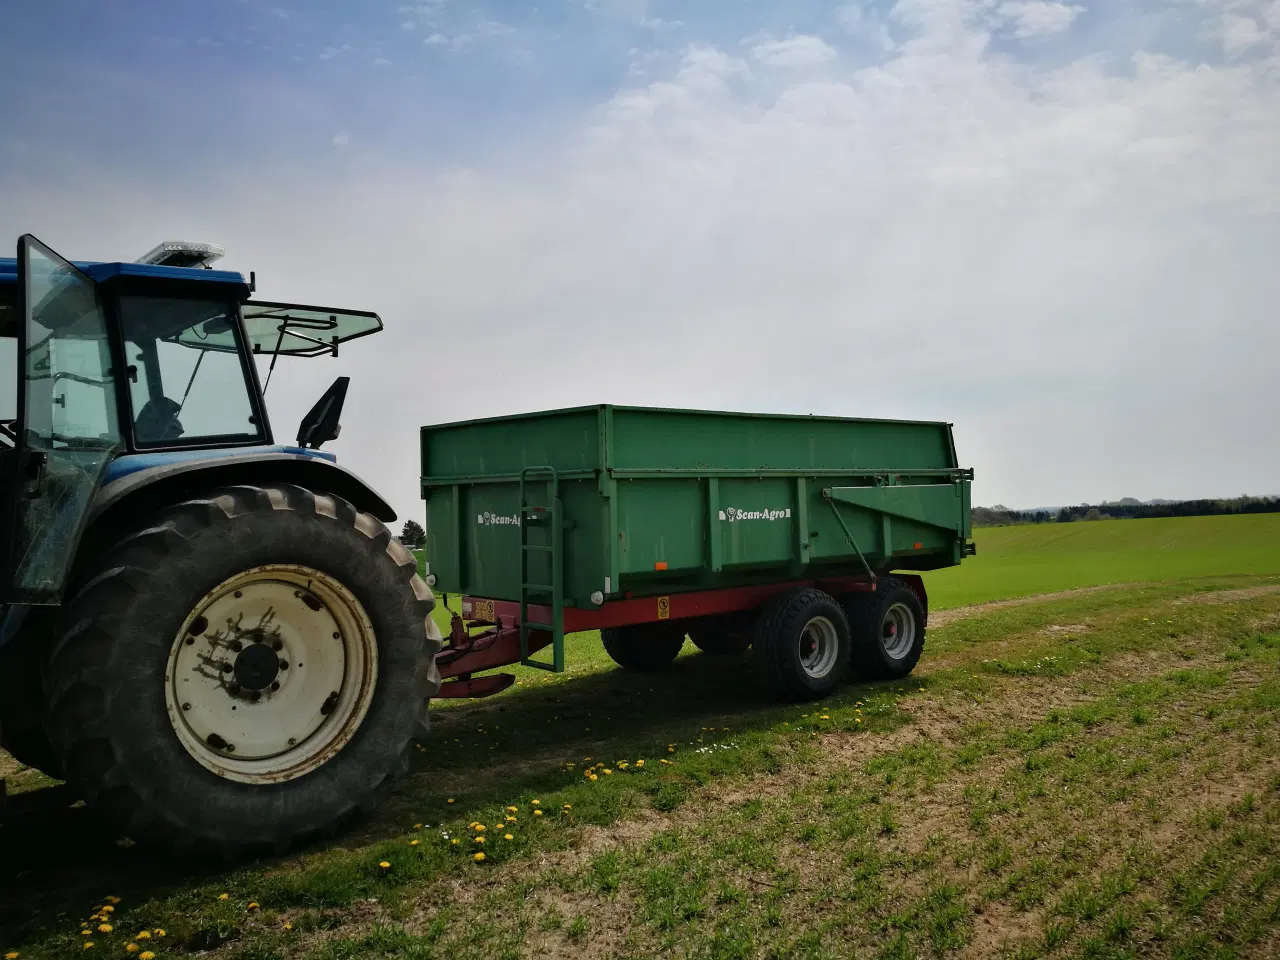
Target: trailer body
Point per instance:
(603, 515)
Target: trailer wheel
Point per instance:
(720, 636)
(244, 674)
(888, 627)
(801, 644)
(643, 647)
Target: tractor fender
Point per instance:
(138, 485)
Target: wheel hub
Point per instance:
(256, 667)
(271, 674)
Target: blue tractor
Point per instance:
(214, 639)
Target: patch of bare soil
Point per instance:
(1228, 596)
(940, 618)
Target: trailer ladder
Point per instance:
(551, 594)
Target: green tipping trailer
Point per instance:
(654, 524)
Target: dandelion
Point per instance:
(287, 925)
(639, 764)
(414, 843)
(568, 806)
(143, 935)
(512, 809)
(88, 945)
(384, 865)
(450, 800)
(146, 955)
(105, 928)
(479, 839)
(86, 933)
(454, 841)
(159, 932)
(224, 896)
(537, 813)
(671, 749)
(478, 857)
(253, 905)
(535, 802)
(111, 899)
(131, 948)
(608, 772)
(622, 765)
(825, 717)
(569, 766)
(107, 909)
(479, 828)
(11, 955)
(594, 778)
(508, 836)
(417, 826)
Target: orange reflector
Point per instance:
(660, 565)
(919, 546)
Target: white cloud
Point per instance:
(279, 13)
(341, 139)
(794, 53)
(1039, 18)
(381, 62)
(1074, 265)
(436, 39)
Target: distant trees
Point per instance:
(1130, 510)
(413, 535)
(1001, 516)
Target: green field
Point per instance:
(1095, 774)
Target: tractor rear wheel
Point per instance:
(726, 636)
(245, 674)
(887, 626)
(643, 647)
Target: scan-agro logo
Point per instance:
(733, 515)
(488, 519)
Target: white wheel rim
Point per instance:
(819, 647)
(249, 719)
(898, 632)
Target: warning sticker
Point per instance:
(664, 608)
(483, 610)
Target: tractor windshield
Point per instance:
(9, 366)
(181, 395)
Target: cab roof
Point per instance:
(103, 272)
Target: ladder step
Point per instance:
(544, 548)
(537, 588)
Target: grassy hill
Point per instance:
(1025, 560)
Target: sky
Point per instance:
(1053, 224)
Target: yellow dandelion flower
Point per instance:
(569, 766)
(497, 826)
(671, 749)
(111, 899)
(88, 945)
(384, 865)
(512, 809)
(537, 813)
(159, 932)
(146, 955)
(478, 857)
(594, 778)
(450, 800)
(568, 806)
(623, 765)
(105, 928)
(608, 772)
(454, 841)
(665, 762)
(414, 843)
(479, 839)
(510, 819)
(535, 802)
(825, 717)
(639, 763)
(417, 826)
(11, 955)
(131, 948)
(224, 896)
(86, 933)
(253, 905)
(479, 828)
(143, 935)
(508, 836)
(107, 909)
(287, 925)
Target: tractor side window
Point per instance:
(181, 390)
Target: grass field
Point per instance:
(1093, 774)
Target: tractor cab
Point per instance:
(110, 367)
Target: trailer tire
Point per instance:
(888, 630)
(135, 635)
(643, 647)
(801, 644)
(719, 637)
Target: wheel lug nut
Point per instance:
(284, 665)
(236, 646)
(255, 696)
(277, 646)
(186, 706)
(226, 668)
(275, 685)
(233, 688)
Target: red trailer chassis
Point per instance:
(497, 642)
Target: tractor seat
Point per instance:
(157, 421)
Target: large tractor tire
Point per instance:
(726, 636)
(21, 714)
(887, 627)
(643, 647)
(245, 674)
(801, 645)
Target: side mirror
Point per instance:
(320, 425)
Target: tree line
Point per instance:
(1000, 516)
